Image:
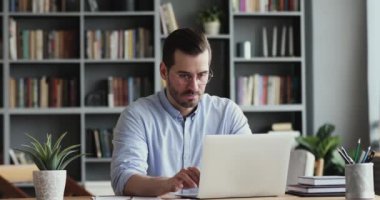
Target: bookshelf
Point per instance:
(90, 109)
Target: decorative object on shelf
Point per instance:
(324, 146)
(52, 160)
(210, 19)
(96, 98)
(129, 5)
(93, 5)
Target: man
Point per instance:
(158, 139)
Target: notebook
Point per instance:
(243, 166)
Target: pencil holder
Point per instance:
(359, 181)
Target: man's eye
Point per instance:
(203, 74)
(184, 76)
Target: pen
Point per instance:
(356, 157)
(347, 156)
(343, 156)
(366, 154)
(370, 156)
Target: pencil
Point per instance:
(356, 157)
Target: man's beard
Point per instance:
(177, 96)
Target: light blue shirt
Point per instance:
(152, 138)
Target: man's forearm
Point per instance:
(139, 185)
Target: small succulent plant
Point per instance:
(50, 157)
(210, 14)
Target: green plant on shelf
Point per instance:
(211, 14)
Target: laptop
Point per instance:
(242, 166)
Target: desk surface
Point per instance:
(285, 197)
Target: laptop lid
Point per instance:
(243, 165)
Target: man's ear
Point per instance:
(163, 71)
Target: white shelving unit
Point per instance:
(91, 74)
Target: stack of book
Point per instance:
(319, 186)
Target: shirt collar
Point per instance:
(171, 109)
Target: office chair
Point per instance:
(8, 190)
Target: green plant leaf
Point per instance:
(63, 166)
(308, 143)
(58, 142)
(325, 131)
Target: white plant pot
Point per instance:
(212, 28)
(49, 184)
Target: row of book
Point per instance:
(30, 92)
(99, 142)
(122, 91)
(278, 45)
(119, 44)
(267, 90)
(319, 186)
(43, 6)
(265, 5)
(40, 44)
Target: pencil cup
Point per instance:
(359, 181)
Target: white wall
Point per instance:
(373, 72)
(338, 86)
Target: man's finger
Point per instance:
(188, 182)
(194, 174)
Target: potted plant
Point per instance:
(210, 18)
(49, 182)
(323, 145)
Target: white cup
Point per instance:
(359, 181)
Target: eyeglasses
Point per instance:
(202, 78)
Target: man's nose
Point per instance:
(194, 83)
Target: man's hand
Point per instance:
(184, 179)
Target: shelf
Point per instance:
(44, 111)
(98, 160)
(135, 60)
(46, 61)
(210, 37)
(273, 108)
(118, 14)
(103, 110)
(269, 59)
(47, 14)
(268, 14)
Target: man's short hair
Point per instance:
(186, 40)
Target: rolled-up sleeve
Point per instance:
(130, 150)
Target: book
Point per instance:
(317, 189)
(274, 42)
(283, 39)
(291, 42)
(285, 126)
(322, 180)
(265, 42)
(168, 18)
(13, 157)
(329, 194)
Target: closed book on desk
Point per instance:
(330, 194)
(317, 189)
(322, 180)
